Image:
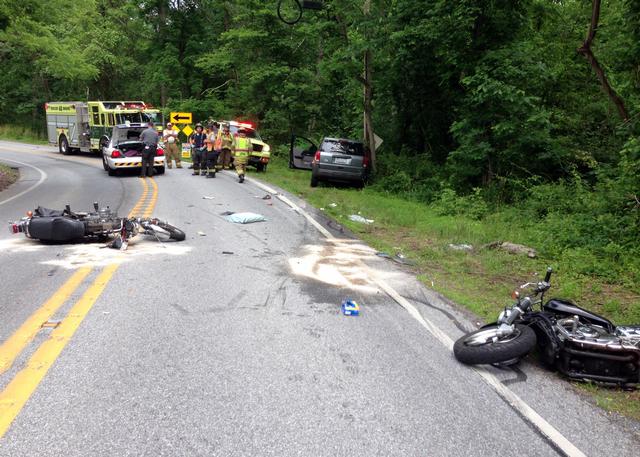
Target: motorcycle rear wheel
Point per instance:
(484, 347)
(174, 232)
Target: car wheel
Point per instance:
(314, 181)
(63, 145)
(105, 165)
(160, 170)
(112, 171)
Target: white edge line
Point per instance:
(43, 176)
(507, 394)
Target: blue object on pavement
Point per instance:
(350, 308)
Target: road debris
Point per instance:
(207, 197)
(245, 218)
(512, 248)
(227, 213)
(461, 247)
(227, 252)
(398, 258)
(360, 219)
(202, 234)
(267, 197)
(350, 308)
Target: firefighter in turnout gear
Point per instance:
(199, 149)
(241, 151)
(212, 152)
(171, 150)
(224, 145)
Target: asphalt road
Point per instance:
(231, 343)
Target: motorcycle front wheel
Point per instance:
(485, 347)
(174, 232)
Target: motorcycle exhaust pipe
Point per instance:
(610, 346)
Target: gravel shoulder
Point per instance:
(8, 176)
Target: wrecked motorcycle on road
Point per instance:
(580, 344)
(102, 224)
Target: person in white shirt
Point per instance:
(171, 150)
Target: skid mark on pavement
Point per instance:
(336, 265)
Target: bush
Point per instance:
(472, 206)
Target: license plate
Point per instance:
(342, 161)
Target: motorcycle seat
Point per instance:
(56, 229)
(46, 212)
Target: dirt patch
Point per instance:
(8, 176)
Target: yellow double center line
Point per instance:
(26, 381)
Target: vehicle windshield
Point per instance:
(253, 134)
(156, 118)
(343, 146)
(122, 135)
(137, 118)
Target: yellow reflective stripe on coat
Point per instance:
(243, 147)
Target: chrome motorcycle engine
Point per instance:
(592, 352)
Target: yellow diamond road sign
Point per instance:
(187, 131)
(180, 118)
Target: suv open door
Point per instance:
(301, 152)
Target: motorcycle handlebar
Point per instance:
(548, 275)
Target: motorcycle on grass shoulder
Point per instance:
(580, 344)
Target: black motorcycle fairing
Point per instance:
(560, 306)
(56, 229)
(46, 212)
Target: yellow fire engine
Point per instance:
(87, 126)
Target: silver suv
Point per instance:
(339, 159)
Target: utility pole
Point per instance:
(369, 138)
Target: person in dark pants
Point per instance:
(149, 139)
(199, 149)
(212, 152)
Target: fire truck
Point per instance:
(86, 126)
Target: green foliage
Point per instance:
(450, 204)
(485, 108)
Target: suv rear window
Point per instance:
(343, 146)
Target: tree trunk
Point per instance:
(162, 31)
(586, 51)
(369, 138)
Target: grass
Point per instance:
(481, 280)
(22, 134)
(626, 403)
(8, 176)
